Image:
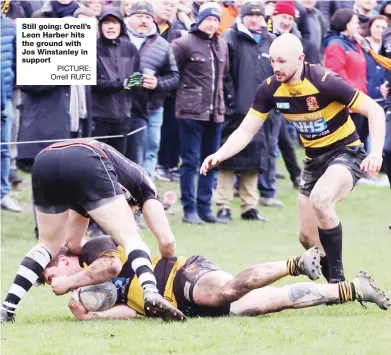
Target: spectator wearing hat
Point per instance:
(283, 21)
(117, 59)
(202, 59)
(246, 73)
(156, 57)
(344, 56)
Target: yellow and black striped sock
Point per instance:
(346, 291)
(292, 265)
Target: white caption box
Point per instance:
(56, 51)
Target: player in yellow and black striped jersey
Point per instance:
(317, 102)
(201, 289)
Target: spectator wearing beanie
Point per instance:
(344, 56)
(247, 35)
(283, 21)
(156, 56)
(202, 59)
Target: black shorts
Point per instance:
(73, 176)
(351, 157)
(187, 276)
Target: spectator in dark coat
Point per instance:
(327, 9)
(317, 24)
(118, 59)
(156, 57)
(246, 73)
(57, 9)
(202, 60)
(46, 109)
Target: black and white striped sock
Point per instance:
(31, 268)
(140, 259)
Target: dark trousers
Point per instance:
(267, 179)
(169, 144)
(288, 152)
(198, 139)
(362, 128)
(387, 146)
(136, 142)
(104, 128)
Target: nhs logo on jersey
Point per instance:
(283, 105)
(311, 127)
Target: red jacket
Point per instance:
(346, 58)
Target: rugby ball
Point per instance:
(98, 298)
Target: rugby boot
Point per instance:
(157, 307)
(366, 291)
(309, 263)
(5, 317)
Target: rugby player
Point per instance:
(317, 102)
(75, 180)
(199, 288)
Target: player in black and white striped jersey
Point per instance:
(73, 181)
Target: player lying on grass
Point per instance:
(82, 179)
(199, 288)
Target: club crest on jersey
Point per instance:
(312, 103)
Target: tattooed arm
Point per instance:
(101, 270)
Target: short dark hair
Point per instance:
(366, 31)
(54, 262)
(340, 20)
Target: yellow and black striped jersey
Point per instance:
(318, 107)
(128, 286)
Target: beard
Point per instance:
(287, 78)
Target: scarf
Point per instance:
(138, 39)
(64, 10)
(78, 106)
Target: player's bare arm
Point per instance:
(101, 270)
(235, 143)
(117, 312)
(156, 219)
(377, 131)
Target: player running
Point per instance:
(73, 181)
(317, 102)
(199, 288)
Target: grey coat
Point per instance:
(156, 54)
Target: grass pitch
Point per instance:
(44, 325)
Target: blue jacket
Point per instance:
(8, 59)
(375, 77)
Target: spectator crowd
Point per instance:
(187, 72)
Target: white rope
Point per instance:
(72, 139)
